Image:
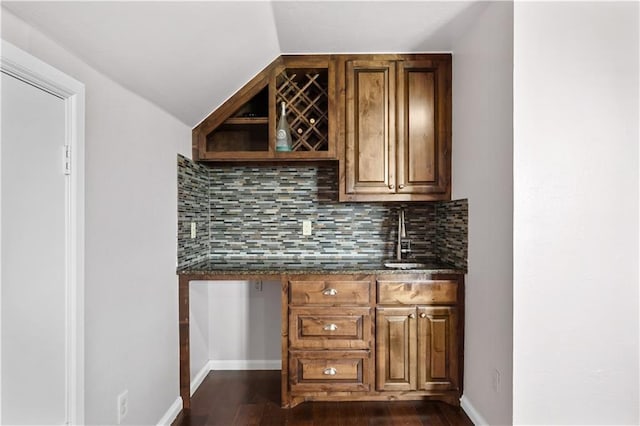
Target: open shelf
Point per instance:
(239, 137)
(247, 130)
(247, 120)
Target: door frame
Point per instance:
(25, 67)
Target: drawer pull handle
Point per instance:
(412, 316)
(423, 315)
(330, 292)
(330, 371)
(330, 327)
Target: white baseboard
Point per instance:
(236, 364)
(171, 413)
(176, 407)
(243, 364)
(199, 378)
(471, 411)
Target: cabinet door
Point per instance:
(370, 122)
(424, 157)
(437, 348)
(396, 349)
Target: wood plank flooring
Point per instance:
(246, 398)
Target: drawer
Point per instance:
(330, 328)
(329, 371)
(417, 292)
(329, 292)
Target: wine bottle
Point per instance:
(283, 134)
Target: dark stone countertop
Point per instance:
(257, 267)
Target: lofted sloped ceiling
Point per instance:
(189, 57)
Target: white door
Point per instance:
(34, 228)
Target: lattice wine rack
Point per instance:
(305, 95)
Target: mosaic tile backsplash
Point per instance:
(193, 206)
(257, 211)
(451, 232)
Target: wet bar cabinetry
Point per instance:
(330, 335)
(386, 118)
(244, 127)
(356, 334)
(397, 128)
(417, 337)
(372, 337)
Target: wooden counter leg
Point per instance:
(183, 315)
(284, 321)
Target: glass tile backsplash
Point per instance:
(257, 211)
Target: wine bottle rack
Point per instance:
(305, 94)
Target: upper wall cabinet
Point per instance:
(395, 127)
(244, 127)
(387, 118)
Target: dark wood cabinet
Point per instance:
(244, 127)
(416, 348)
(397, 128)
(383, 337)
(386, 118)
(359, 336)
(328, 347)
(420, 335)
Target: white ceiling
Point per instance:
(189, 57)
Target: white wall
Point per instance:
(131, 287)
(482, 172)
(244, 325)
(576, 213)
(234, 326)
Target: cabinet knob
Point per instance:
(330, 327)
(412, 316)
(330, 292)
(330, 371)
(391, 186)
(423, 315)
(401, 186)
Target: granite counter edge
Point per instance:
(319, 271)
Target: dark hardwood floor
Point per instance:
(243, 398)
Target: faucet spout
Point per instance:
(402, 233)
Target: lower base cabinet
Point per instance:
(416, 348)
(367, 337)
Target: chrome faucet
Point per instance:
(402, 235)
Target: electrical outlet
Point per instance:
(194, 229)
(306, 227)
(258, 285)
(123, 405)
(496, 380)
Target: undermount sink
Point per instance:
(404, 265)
